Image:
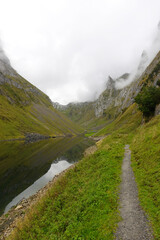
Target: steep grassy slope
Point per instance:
(24, 108)
(79, 112)
(125, 123)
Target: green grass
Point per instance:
(145, 145)
(125, 123)
(83, 204)
(89, 134)
(22, 112)
(18, 161)
(84, 115)
(95, 124)
(80, 113)
(146, 165)
(15, 121)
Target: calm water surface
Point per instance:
(26, 168)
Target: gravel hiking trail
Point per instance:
(134, 224)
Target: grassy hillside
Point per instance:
(125, 123)
(112, 102)
(145, 148)
(81, 113)
(84, 202)
(24, 108)
(77, 206)
(86, 194)
(144, 140)
(84, 115)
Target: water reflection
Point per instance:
(55, 169)
(22, 164)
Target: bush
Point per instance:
(158, 83)
(147, 100)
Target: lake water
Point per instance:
(26, 168)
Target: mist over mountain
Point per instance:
(146, 57)
(68, 48)
(92, 92)
(5, 66)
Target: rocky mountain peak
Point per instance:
(110, 83)
(143, 63)
(3, 57)
(5, 65)
(124, 76)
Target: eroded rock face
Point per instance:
(120, 92)
(3, 57)
(120, 99)
(106, 98)
(114, 98)
(144, 61)
(5, 66)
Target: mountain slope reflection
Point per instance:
(55, 169)
(22, 164)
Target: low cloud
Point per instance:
(68, 48)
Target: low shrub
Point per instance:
(147, 100)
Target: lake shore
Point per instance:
(17, 213)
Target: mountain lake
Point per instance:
(27, 167)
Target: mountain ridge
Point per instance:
(26, 109)
(112, 101)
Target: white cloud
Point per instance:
(67, 48)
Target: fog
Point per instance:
(68, 48)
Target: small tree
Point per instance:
(147, 100)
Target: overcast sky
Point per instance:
(67, 48)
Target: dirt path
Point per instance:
(134, 224)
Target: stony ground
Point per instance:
(134, 224)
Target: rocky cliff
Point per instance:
(115, 99)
